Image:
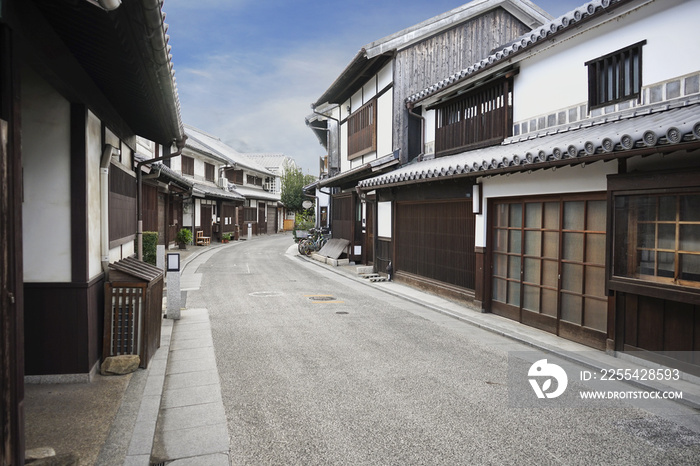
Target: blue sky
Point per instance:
(248, 70)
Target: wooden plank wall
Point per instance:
(436, 240)
(442, 55)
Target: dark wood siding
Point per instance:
(663, 331)
(440, 56)
(149, 206)
(343, 217)
(63, 326)
(228, 212)
(272, 226)
(122, 206)
(436, 241)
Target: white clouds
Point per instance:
(258, 102)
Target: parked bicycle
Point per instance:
(317, 238)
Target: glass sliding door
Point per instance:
(548, 260)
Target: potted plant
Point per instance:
(184, 237)
(226, 237)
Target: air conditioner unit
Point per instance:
(223, 183)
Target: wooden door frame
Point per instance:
(11, 270)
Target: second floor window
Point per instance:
(362, 130)
(208, 171)
(187, 165)
(480, 118)
(615, 77)
(235, 176)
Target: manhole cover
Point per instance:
(321, 298)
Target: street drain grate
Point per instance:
(322, 298)
(342, 312)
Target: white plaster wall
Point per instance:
(46, 163)
(385, 106)
(385, 76)
(557, 77)
(94, 149)
(429, 131)
(384, 219)
(369, 90)
(578, 179)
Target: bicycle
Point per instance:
(314, 242)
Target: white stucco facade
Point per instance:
(371, 89)
(46, 207)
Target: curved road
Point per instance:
(319, 369)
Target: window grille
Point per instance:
(615, 77)
(362, 130)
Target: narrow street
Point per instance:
(319, 369)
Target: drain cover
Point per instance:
(341, 312)
(322, 298)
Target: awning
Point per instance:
(350, 178)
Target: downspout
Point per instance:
(409, 106)
(105, 161)
(139, 209)
(330, 201)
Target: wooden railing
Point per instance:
(362, 130)
(479, 119)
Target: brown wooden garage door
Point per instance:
(435, 240)
(548, 262)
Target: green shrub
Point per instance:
(184, 236)
(150, 243)
(302, 221)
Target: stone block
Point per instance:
(174, 295)
(35, 454)
(120, 365)
(365, 269)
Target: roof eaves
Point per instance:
(525, 11)
(663, 128)
(523, 43)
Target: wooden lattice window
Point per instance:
(615, 77)
(235, 176)
(122, 206)
(480, 118)
(209, 171)
(187, 165)
(658, 237)
(362, 130)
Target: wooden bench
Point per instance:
(201, 240)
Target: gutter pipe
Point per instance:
(330, 194)
(105, 161)
(409, 106)
(139, 193)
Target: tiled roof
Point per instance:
(253, 193)
(524, 42)
(206, 142)
(213, 191)
(659, 128)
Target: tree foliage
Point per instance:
(293, 182)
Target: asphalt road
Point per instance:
(317, 369)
